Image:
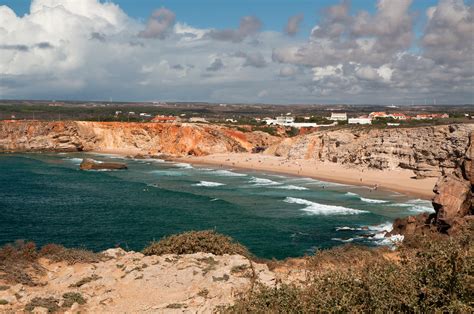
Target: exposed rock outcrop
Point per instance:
(129, 282)
(91, 164)
(130, 138)
(428, 151)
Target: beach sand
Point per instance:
(393, 180)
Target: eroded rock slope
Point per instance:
(144, 138)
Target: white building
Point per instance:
(281, 120)
(290, 121)
(198, 119)
(335, 116)
(360, 120)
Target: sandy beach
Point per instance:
(392, 180)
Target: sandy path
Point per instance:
(393, 180)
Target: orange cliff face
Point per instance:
(128, 138)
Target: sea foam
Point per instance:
(418, 206)
(292, 187)
(208, 184)
(228, 173)
(323, 209)
(183, 165)
(367, 200)
(263, 182)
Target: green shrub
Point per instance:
(52, 304)
(207, 241)
(72, 297)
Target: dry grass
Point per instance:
(207, 241)
(58, 253)
(19, 261)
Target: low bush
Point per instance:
(207, 241)
(51, 304)
(58, 253)
(19, 260)
(72, 297)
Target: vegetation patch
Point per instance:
(211, 264)
(3, 302)
(85, 280)
(58, 253)
(3, 287)
(203, 293)
(239, 269)
(176, 306)
(51, 304)
(207, 241)
(436, 276)
(19, 260)
(72, 297)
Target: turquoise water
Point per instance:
(45, 198)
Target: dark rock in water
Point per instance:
(91, 164)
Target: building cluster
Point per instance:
(287, 120)
(290, 122)
(367, 119)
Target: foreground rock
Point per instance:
(453, 202)
(129, 282)
(91, 164)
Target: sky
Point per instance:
(246, 51)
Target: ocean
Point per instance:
(45, 198)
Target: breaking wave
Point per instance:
(263, 182)
(418, 206)
(75, 160)
(228, 173)
(292, 187)
(367, 200)
(183, 165)
(323, 209)
(208, 184)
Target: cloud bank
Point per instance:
(67, 49)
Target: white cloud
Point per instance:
(92, 49)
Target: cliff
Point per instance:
(453, 202)
(144, 138)
(428, 151)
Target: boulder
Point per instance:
(91, 164)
